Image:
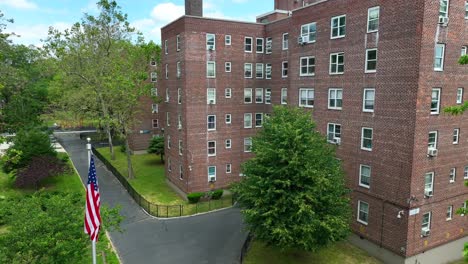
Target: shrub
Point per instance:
(11, 160)
(195, 197)
(38, 169)
(216, 195)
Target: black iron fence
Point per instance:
(159, 210)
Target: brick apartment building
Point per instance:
(375, 76)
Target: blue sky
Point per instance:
(33, 17)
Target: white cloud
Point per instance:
(33, 34)
(90, 8)
(19, 4)
(167, 12)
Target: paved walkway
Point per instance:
(211, 238)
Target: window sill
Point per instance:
(306, 75)
(337, 73)
(362, 222)
(305, 106)
(338, 37)
(364, 186)
(371, 71)
(373, 31)
(366, 149)
(335, 108)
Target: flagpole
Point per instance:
(93, 242)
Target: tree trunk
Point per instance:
(105, 113)
(162, 158)
(131, 175)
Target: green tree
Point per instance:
(156, 146)
(293, 193)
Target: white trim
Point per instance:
(273, 12)
(249, 124)
(367, 61)
(208, 148)
(432, 174)
(336, 90)
(449, 209)
(429, 136)
(360, 175)
(226, 37)
(364, 101)
(307, 90)
(207, 123)
(456, 133)
(208, 172)
(453, 171)
(251, 70)
(267, 96)
(226, 143)
(226, 66)
(282, 69)
(268, 71)
(228, 165)
(214, 69)
(438, 101)
(227, 93)
(460, 91)
(362, 138)
(331, 27)
(337, 63)
(441, 68)
(428, 222)
(308, 32)
(226, 117)
(214, 41)
(250, 150)
(359, 210)
(282, 41)
(285, 102)
(256, 45)
(308, 58)
(368, 16)
(178, 42)
(261, 119)
(251, 45)
(251, 95)
(208, 99)
(257, 71)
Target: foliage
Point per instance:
(156, 146)
(39, 168)
(463, 60)
(195, 197)
(216, 194)
(294, 191)
(38, 232)
(11, 160)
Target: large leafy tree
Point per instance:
(156, 146)
(294, 194)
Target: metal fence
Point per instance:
(159, 210)
(245, 247)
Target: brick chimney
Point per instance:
(194, 8)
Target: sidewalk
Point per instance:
(211, 238)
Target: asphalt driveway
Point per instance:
(211, 238)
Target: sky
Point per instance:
(32, 18)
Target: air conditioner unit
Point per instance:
(212, 178)
(425, 232)
(431, 152)
(443, 20)
(211, 101)
(337, 141)
(428, 193)
(268, 45)
(179, 127)
(302, 40)
(210, 48)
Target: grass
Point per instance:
(340, 253)
(69, 182)
(150, 182)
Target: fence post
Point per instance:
(180, 210)
(167, 211)
(157, 210)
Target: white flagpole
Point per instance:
(88, 147)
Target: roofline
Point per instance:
(316, 3)
(272, 12)
(215, 19)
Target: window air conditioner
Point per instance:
(443, 20)
(212, 178)
(425, 232)
(427, 193)
(431, 152)
(302, 40)
(337, 141)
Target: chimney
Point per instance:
(194, 8)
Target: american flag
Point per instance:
(92, 219)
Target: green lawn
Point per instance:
(340, 253)
(150, 182)
(64, 183)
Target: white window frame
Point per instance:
(168, 141)
(178, 70)
(178, 42)
(308, 66)
(228, 119)
(228, 93)
(456, 136)
(426, 225)
(267, 95)
(213, 175)
(284, 69)
(262, 46)
(371, 139)
(285, 41)
(181, 147)
(449, 213)
(167, 71)
(259, 119)
(166, 49)
(247, 147)
(259, 95)
(466, 9)
(208, 123)
(361, 183)
(367, 61)
(307, 34)
(181, 173)
(246, 65)
(434, 144)
(435, 110)
(213, 64)
(333, 95)
(372, 9)
(179, 96)
(284, 96)
(227, 40)
(365, 99)
(246, 45)
(247, 120)
(153, 62)
(208, 148)
(268, 45)
(210, 96)
(307, 90)
(257, 71)
(168, 123)
(436, 58)
(465, 173)
(464, 49)
(445, 12)
(210, 46)
(154, 77)
(154, 92)
(153, 123)
(154, 108)
(338, 27)
(337, 64)
(452, 175)
(167, 95)
(268, 71)
(459, 95)
(331, 133)
(248, 97)
(228, 168)
(429, 186)
(364, 222)
(227, 66)
(228, 143)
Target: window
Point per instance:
(181, 172)
(248, 95)
(248, 44)
(152, 62)
(169, 141)
(181, 147)
(247, 70)
(306, 97)
(167, 95)
(335, 98)
(154, 108)
(259, 45)
(179, 71)
(456, 134)
(154, 77)
(268, 45)
(155, 123)
(284, 95)
(258, 95)
(228, 168)
(443, 9)
(435, 101)
(259, 70)
(227, 66)
(258, 119)
(465, 173)
(228, 143)
(449, 214)
(154, 92)
(439, 53)
(307, 66)
(373, 15)
(211, 173)
(211, 96)
(369, 100)
(309, 32)
(227, 40)
(371, 60)
(211, 69)
(210, 42)
(338, 26)
(432, 141)
(363, 212)
(268, 71)
(337, 63)
(211, 122)
(165, 47)
(426, 222)
(248, 120)
(364, 176)
(285, 41)
(211, 146)
(169, 164)
(284, 69)
(228, 93)
(459, 95)
(178, 42)
(227, 118)
(466, 9)
(248, 144)
(168, 123)
(167, 71)
(334, 133)
(452, 175)
(179, 121)
(267, 96)
(428, 184)
(366, 138)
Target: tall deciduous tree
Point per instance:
(294, 194)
